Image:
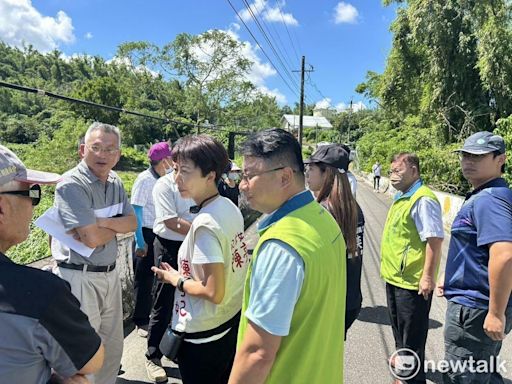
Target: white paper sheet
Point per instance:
(51, 223)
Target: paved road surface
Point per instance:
(370, 340)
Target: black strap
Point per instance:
(233, 322)
(88, 268)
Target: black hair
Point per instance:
(496, 154)
(276, 146)
(411, 159)
(204, 151)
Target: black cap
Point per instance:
(331, 154)
(484, 142)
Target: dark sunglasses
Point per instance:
(34, 193)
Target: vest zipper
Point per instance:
(403, 263)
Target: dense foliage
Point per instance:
(448, 74)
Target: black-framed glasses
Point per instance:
(34, 193)
(245, 177)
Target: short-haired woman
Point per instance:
(212, 263)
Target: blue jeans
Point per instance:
(467, 345)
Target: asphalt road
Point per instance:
(370, 340)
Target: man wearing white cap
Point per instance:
(35, 338)
(93, 206)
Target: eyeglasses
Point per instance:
(34, 193)
(245, 177)
(97, 149)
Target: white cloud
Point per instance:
(356, 107)
(269, 13)
(259, 70)
(126, 62)
(323, 104)
(21, 23)
(274, 15)
(88, 36)
(345, 13)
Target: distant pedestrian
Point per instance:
(212, 264)
(143, 259)
(478, 277)
(376, 169)
(328, 179)
(410, 255)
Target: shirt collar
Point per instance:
(411, 191)
(294, 203)
(83, 168)
(5, 259)
(497, 182)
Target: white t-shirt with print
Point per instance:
(216, 236)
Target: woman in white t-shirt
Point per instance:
(212, 264)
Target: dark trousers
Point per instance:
(143, 281)
(209, 362)
(466, 342)
(163, 298)
(408, 313)
(376, 182)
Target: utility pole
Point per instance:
(349, 123)
(301, 106)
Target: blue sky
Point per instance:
(341, 40)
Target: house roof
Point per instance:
(308, 121)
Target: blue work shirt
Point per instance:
(485, 218)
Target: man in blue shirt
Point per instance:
(478, 277)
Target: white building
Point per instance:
(291, 122)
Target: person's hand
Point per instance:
(494, 326)
(166, 273)
(440, 289)
(74, 233)
(141, 252)
(102, 221)
(427, 285)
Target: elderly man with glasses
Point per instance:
(43, 329)
(94, 207)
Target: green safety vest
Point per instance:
(312, 352)
(402, 251)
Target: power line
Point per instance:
(265, 36)
(41, 92)
(286, 56)
(262, 50)
(287, 31)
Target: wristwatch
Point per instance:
(181, 281)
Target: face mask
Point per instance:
(233, 176)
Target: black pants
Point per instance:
(351, 316)
(209, 362)
(161, 312)
(408, 313)
(143, 281)
(376, 182)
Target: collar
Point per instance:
(294, 203)
(153, 172)
(5, 259)
(84, 169)
(411, 191)
(494, 183)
